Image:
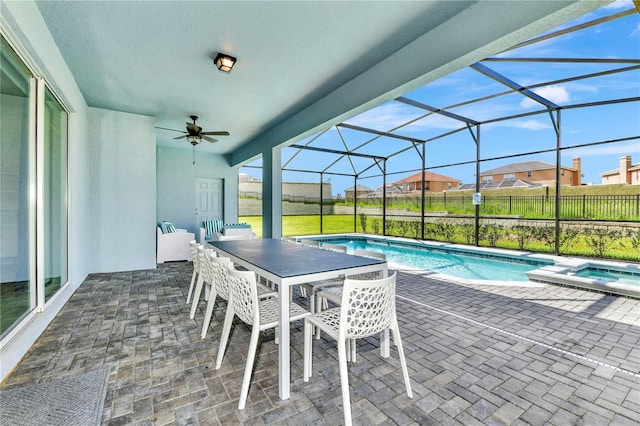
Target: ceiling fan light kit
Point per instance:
(224, 62)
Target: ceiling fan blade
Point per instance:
(208, 139)
(173, 130)
(221, 133)
(180, 137)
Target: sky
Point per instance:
(617, 39)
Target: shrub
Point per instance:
(363, 222)
(468, 232)
(491, 233)
(403, 227)
(416, 226)
(523, 235)
(376, 226)
(600, 239)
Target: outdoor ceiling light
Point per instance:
(224, 62)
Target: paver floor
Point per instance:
(477, 355)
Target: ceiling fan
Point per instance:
(194, 133)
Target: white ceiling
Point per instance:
(301, 65)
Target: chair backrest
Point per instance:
(369, 253)
(334, 247)
(204, 264)
(193, 246)
(367, 306)
(244, 295)
(220, 267)
(310, 243)
(373, 255)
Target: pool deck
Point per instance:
(477, 355)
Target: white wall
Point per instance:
(122, 190)
(176, 187)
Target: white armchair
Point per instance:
(173, 246)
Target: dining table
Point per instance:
(288, 264)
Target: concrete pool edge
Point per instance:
(559, 270)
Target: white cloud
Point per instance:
(635, 32)
(632, 148)
(520, 124)
(556, 94)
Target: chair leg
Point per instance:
(344, 381)
(207, 290)
(193, 281)
(307, 353)
(226, 330)
(251, 357)
(196, 296)
(209, 312)
(352, 343)
(403, 362)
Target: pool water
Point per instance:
(444, 262)
(612, 276)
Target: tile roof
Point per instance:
(428, 177)
(524, 166)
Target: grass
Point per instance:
(335, 224)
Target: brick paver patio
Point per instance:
(477, 355)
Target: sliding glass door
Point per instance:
(33, 191)
(17, 171)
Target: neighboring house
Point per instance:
(291, 191)
(392, 190)
(537, 172)
(433, 182)
(360, 191)
(627, 173)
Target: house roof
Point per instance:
(518, 183)
(360, 188)
(633, 168)
(428, 177)
(524, 166)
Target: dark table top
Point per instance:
(286, 259)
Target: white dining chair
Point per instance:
(308, 243)
(220, 287)
(260, 314)
(313, 287)
(193, 246)
(368, 307)
(334, 293)
(205, 276)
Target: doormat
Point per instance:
(76, 400)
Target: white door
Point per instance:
(208, 200)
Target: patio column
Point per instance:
(272, 193)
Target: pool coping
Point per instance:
(556, 270)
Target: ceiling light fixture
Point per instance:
(193, 139)
(224, 62)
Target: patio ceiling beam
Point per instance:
(378, 132)
(565, 60)
(336, 151)
(436, 110)
(483, 69)
(573, 28)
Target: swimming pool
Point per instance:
(449, 261)
(619, 277)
